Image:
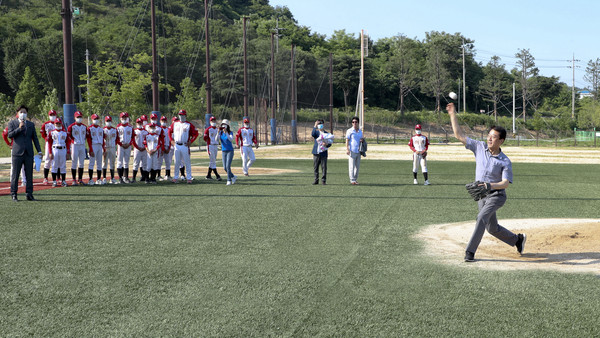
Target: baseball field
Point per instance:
(274, 255)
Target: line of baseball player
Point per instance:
(153, 144)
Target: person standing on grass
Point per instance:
(45, 131)
(354, 136)
(211, 137)
(226, 139)
(419, 145)
(323, 140)
(9, 144)
(494, 169)
(58, 141)
(244, 138)
(22, 133)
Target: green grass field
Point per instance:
(277, 256)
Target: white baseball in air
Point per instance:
(453, 95)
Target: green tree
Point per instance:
(526, 69)
(7, 108)
(592, 76)
(50, 101)
(405, 66)
(495, 84)
(346, 74)
(191, 99)
(29, 94)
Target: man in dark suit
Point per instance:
(23, 133)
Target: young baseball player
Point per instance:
(58, 140)
(211, 137)
(159, 131)
(78, 136)
(419, 145)
(166, 154)
(124, 142)
(45, 131)
(144, 118)
(493, 168)
(244, 138)
(9, 143)
(183, 134)
(153, 145)
(140, 157)
(109, 150)
(96, 141)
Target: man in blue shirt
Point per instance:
(354, 136)
(495, 169)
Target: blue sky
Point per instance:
(552, 30)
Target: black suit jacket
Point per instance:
(22, 138)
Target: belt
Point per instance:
(55, 147)
(180, 144)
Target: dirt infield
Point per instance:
(566, 245)
(37, 186)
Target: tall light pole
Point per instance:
(67, 16)
(154, 78)
(464, 91)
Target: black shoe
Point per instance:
(324, 183)
(219, 178)
(31, 198)
(469, 257)
(209, 177)
(315, 182)
(521, 243)
(14, 198)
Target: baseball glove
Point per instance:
(424, 154)
(478, 189)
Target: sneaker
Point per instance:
(426, 182)
(521, 243)
(147, 181)
(133, 181)
(154, 182)
(415, 182)
(189, 181)
(175, 181)
(209, 177)
(54, 184)
(113, 181)
(126, 180)
(160, 178)
(91, 182)
(99, 182)
(228, 183)
(74, 183)
(81, 182)
(64, 183)
(316, 182)
(104, 180)
(469, 257)
(324, 183)
(246, 174)
(45, 182)
(219, 178)
(182, 178)
(168, 178)
(233, 179)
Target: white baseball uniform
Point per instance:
(58, 142)
(125, 137)
(96, 138)
(419, 142)
(139, 153)
(78, 135)
(110, 147)
(211, 136)
(152, 142)
(244, 138)
(181, 134)
(167, 154)
(46, 131)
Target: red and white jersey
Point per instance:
(58, 138)
(110, 137)
(139, 138)
(78, 133)
(246, 136)
(211, 136)
(183, 132)
(96, 134)
(46, 129)
(125, 133)
(418, 143)
(5, 137)
(165, 137)
(153, 141)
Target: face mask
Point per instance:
(182, 118)
(108, 124)
(22, 116)
(320, 126)
(155, 121)
(58, 127)
(140, 125)
(212, 124)
(145, 123)
(124, 121)
(152, 130)
(163, 124)
(246, 125)
(52, 118)
(78, 120)
(418, 132)
(96, 122)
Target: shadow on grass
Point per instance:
(569, 258)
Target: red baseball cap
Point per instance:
(78, 114)
(124, 114)
(153, 116)
(108, 118)
(144, 117)
(418, 126)
(95, 116)
(58, 121)
(52, 112)
(182, 112)
(163, 118)
(246, 120)
(212, 118)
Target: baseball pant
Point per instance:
(353, 166)
(247, 158)
(227, 157)
(97, 159)
(140, 158)
(486, 220)
(419, 159)
(320, 160)
(182, 157)
(212, 156)
(47, 160)
(168, 158)
(152, 162)
(110, 155)
(123, 156)
(59, 163)
(77, 156)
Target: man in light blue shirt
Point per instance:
(353, 138)
(494, 169)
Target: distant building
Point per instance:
(584, 93)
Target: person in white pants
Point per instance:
(244, 138)
(57, 140)
(211, 137)
(166, 154)
(109, 150)
(153, 144)
(140, 158)
(182, 135)
(78, 136)
(96, 141)
(124, 142)
(45, 131)
(353, 138)
(419, 145)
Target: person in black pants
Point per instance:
(323, 140)
(23, 133)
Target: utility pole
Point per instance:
(273, 102)
(514, 109)
(67, 21)
(573, 89)
(208, 114)
(331, 92)
(464, 91)
(245, 72)
(87, 72)
(294, 101)
(154, 78)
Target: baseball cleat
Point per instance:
(54, 184)
(175, 181)
(427, 183)
(90, 182)
(74, 183)
(126, 180)
(521, 243)
(209, 177)
(45, 182)
(64, 184)
(219, 178)
(81, 182)
(415, 182)
(98, 182)
(189, 181)
(228, 183)
(469, 257)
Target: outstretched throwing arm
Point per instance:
(458, 132)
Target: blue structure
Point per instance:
(69, 114)
(273, 131)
